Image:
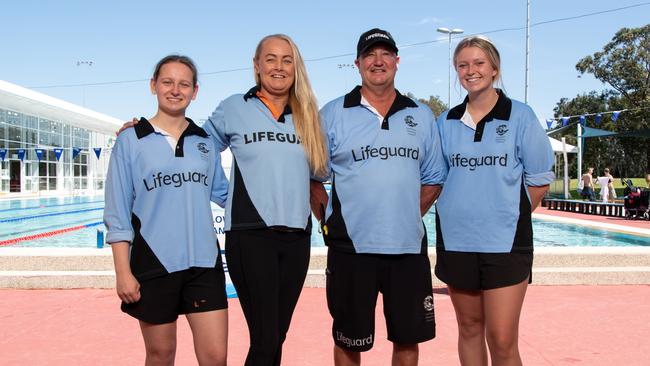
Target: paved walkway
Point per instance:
(595, 219)
(561, 325)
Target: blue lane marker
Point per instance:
(49, 214)
(43, 206)
(230, 291)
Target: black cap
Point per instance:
(372, 37)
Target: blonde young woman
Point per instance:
(499, 162)
(274, 134)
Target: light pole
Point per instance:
(346, 67)
(83, 88)
(449, 32)
(527, 50)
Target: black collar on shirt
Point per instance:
(144, 128)
(500, 111)
(252, 93)
(353, 99)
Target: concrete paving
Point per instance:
(34, 268)
(560, 325)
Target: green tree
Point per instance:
(599, 152)
(624, 65)
(434, 102)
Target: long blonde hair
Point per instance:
(304, 108)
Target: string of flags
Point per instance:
(40, 152)
(582, 118)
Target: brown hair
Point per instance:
(177, 58)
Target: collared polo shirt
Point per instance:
(269, 179)
(484, 205)
(158, 199)
(377, 170)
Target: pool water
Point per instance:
(547, 234)
(42, 217)
(27, 218)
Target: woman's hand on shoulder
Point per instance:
(127, 124)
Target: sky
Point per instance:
(54, 47)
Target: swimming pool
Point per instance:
(548, 234)
(74, 221)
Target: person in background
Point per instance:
(499, 162)
(161, 178)
(610, 186)
(588, 185)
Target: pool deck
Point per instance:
(641, 227)
(561, 325)
(31, 267)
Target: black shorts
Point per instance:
(353, 283)
(193, 290)
(483, 271)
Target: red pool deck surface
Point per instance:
(560, 325)
(640, 224)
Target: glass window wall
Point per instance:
(23, 131)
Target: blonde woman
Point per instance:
(274, 134)
(499, 162)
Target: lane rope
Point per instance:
(47, 234)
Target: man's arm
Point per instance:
(318, 199)
(428, 195)
(536, 195)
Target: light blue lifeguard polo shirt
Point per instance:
(377, 169)
(158, 199)
(484, 205)
(269, 179)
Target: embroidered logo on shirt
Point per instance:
(501, 131)
(202, 147)
(411, 124)
(409, 121)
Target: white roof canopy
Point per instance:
(27, 101)
(557, 146)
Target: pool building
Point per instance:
(48, 145)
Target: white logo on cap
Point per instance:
(375, 35)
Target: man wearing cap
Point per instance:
(386, 170)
